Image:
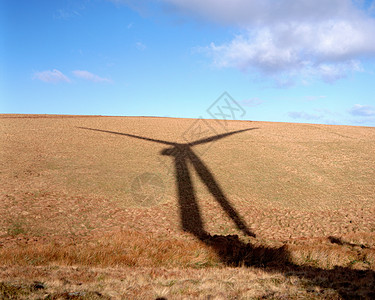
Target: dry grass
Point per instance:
(117, 249)
(140, 250)
(150, 283)
(307, 191)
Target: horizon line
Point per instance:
(51, 115)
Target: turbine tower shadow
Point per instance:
(190, 214)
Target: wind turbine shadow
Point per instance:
(182, 153)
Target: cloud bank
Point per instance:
(312, 38)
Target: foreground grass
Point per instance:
(129, 264)
(57, 282)
(355, 251)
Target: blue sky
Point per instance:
(289, 61)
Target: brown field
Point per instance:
(254, 210)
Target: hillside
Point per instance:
(144, 192)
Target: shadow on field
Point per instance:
(348, 283)
(191, 219)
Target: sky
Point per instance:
(306, 61)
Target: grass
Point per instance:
(307, 191)
(139, 250)
(37, 290)
(16, 228)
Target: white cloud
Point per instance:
(66, 14)
(288, 38)
(252, 102)
(334, 71)
(314, 98)
(327, 49)
(324, 116)
(362, 110)
(90, 76)
(303, 115)
(51, 76)
(140, 46)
